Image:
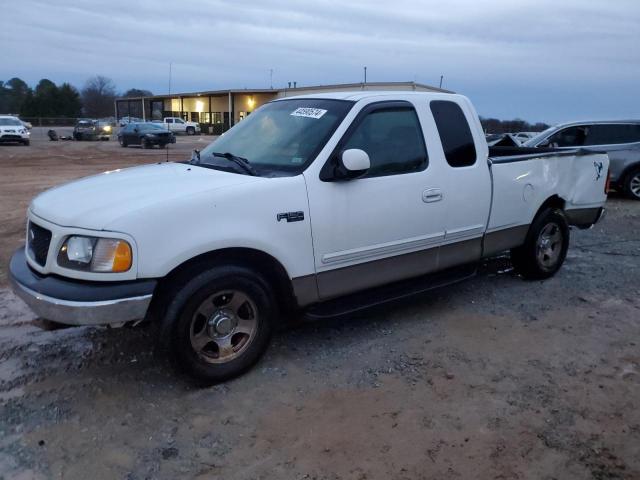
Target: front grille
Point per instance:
(11, 137)
(38, 240)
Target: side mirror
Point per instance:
(352, 163)
(355, 160)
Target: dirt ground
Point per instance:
(493, 378)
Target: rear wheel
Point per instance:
(122, 141)
(632, 184)
(146, 144)
(219, 323)
(545, 247)
(191, 131)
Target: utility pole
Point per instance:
(441, 77)
(365, 74)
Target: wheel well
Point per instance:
(553, 201)
(262, 263)
(627, 171)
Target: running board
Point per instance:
(388, 293)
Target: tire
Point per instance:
(227, 311)
(545, 247)
(123, 143)
(26, 143)
(191, 131)
(146, 144)
(162, 145)
(631, 185)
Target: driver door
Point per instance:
(386, 225)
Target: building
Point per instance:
(219, 110)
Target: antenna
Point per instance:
(441, 77)
(271, 78)
(167, 147)
(365, 74)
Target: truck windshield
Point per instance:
(281, 137)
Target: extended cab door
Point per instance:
(386, 225)
(466, 181)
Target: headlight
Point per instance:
(107, 128)
(93, 254)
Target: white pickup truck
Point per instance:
(178, 125)
(317, 204)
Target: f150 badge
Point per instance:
(291, 216)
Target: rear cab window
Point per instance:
(455, 133)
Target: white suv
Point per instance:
(13, 131)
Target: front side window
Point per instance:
(455, 134)
(392, 137)
(613, 134)
(569, 137)
(169, 120)
(281, 137)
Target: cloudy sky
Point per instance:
(541, 60)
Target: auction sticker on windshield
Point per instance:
(308, 112)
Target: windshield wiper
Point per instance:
(240, 161)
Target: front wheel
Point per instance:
(122, 141)
(219, 323)
(632, 184)
(26, 143)
(545, 247)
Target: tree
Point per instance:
(69, 104)
(493, 125)
(13, 93)
(136, 92)
(42, 102)
(98, 96)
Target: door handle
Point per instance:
(432, 195)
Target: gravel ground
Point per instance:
(493, 378)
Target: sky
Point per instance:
(539, 60)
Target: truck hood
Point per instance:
(95, 202)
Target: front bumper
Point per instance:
(75, 302)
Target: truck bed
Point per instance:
(526, 177)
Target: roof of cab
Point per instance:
(356, 96)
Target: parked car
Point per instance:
(178, 125)
(88, 129)
(13, 131)
(524, 136)
(620, 139)
(126, 120)
(314, 205)
(145, 134)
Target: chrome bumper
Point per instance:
(78, 308)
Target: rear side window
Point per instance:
(611, 134)
(455, 134)
(393, 139)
